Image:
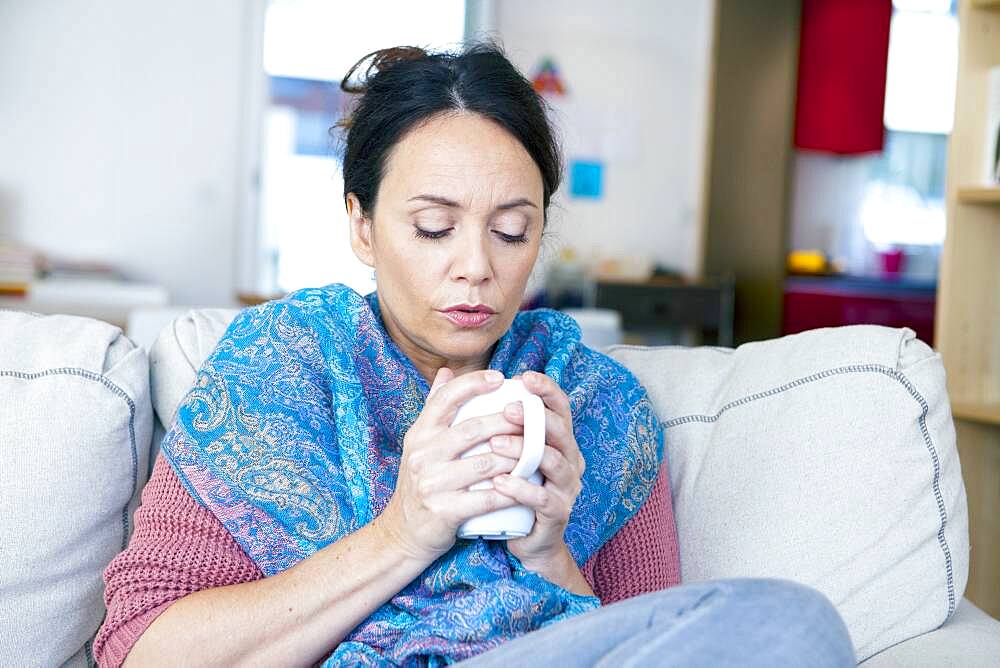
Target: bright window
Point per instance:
(308, 47)
(904, 200)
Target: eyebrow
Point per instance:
(444, 201)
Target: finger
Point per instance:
(443, 375)
(442, 405)
(474, 431)
(459, 474)
(507, 445)
(458, 506)
(543, 500)
(558, 470)
(458, 439)
(558, 431)
(558, 435)
(552, 395)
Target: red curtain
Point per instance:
(843, 51)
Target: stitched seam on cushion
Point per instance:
(116, 390)
(177, 338)
(928, 442)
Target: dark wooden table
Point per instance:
(653, 306)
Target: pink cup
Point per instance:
(891, 261)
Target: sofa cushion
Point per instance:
(826, 457)
(970, 639)
(177, 354)
(75, 425)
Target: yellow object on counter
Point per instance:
(807, 262)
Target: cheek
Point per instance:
(515, 267)
(415, 275)
(409, 260)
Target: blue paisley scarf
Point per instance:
(292, 437)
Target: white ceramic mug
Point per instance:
(515, 521)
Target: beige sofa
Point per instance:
(826, 457)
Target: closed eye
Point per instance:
(431, 234)
(512, 238)
(440, 234)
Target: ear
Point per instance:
(362, 241)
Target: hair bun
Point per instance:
(383, 60)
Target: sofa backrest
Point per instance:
(75, 425)
(826, 457)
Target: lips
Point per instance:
(469, 315)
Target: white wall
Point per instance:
(826, 197)
(647, 63)
(120, 137)
(122, 133)
(828, 213)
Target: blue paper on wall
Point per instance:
(586, 178)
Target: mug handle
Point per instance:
(534, 436)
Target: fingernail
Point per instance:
(515, 408)
(494, 376)
(499, 441)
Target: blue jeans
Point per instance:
(729, 622)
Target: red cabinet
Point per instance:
(812, 302)
(843, 53)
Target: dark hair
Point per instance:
(406, 86)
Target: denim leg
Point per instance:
(729, 622)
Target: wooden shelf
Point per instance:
(986, 413)
(980, 194)
(967, 323)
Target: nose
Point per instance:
(471, 261)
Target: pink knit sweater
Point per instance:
(179, 547)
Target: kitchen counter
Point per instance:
(832, 301)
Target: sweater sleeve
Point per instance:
(178, 547)
(643, 556)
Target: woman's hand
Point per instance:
(431, 500)
(544, 549)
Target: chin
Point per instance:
(465, 344)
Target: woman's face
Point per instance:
(457, 226)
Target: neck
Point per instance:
(427, 362)
(458, 367)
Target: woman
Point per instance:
(305, 504)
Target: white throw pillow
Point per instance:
(826, 457)
(75, 425)
(175, 357)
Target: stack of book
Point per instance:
(52, 267)
(17, 269)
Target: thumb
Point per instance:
(443, 375)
